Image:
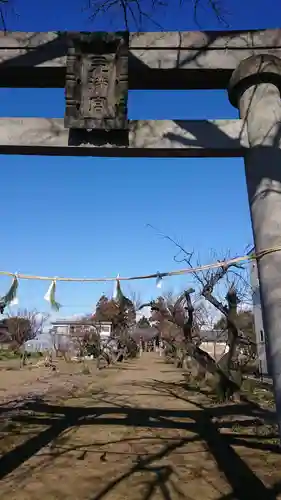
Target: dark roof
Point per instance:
(213, 335)
(147, 333)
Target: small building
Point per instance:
(104, 328)
(261, 340)
(67, 328)
(66, 335)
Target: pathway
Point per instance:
(135, 434)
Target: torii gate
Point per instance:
(97, 69)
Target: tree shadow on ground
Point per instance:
(244, 482)
(59, 420)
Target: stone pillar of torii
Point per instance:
(254, 89)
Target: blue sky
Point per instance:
(87, 217)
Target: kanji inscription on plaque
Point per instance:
(96, 88)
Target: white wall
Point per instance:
(105, 329)
(215, 349)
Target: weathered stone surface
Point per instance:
(202, 138)
(191, 59)
(97, 81)
(262, 68)
(257, 83)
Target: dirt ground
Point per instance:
(132, 431)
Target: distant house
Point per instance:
(67, 328)
(104, 328)
(214, 342)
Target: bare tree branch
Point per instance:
(25, 325)
(135, 12)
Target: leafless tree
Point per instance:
(137, 12)
(134, 297)
(24, 325)
(61, 344)
(182, 313)
(84, 337)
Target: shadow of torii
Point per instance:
(199, 421)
